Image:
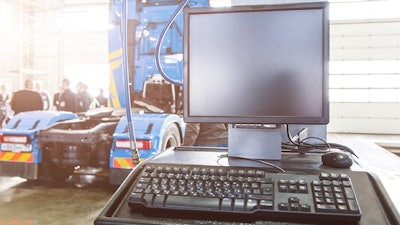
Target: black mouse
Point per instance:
(337, 160)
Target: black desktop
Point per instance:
(258, 69)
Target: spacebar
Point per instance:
(192, 203)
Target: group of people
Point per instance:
(34, 97)
(67, 100)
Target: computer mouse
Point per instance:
(337, 160)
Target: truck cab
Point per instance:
(53, 144)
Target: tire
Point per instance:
(50, 171)
(172, 137)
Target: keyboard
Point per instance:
(243, 193)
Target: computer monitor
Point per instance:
(255, 68)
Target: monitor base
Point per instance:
(255, 141)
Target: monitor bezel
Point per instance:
(322, 119)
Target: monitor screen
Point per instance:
(263, 64)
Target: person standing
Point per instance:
(26, 99)
(45, 95)
(57, 98)
(4, 105)
(206, 134)
(101, 100)
(5, 95)
(85, 99)
(68, 99)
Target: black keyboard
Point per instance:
(243, 193)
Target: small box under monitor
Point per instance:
(254, 141)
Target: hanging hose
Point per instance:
(160, 40)
(125, 72)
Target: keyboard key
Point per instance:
(283, 206)
(260, 197)
(266, 204)
(268, 189)
(251, 205)
(147, 199)
(325, 208)
(343, 176)
(353, 206)
(349, 192)
(342, 208)
(294, 206)
(302, 189)
(136, 198)
(283, 188)
(238, 205)
(293, 200)
(292, 188)
(158, 200)
(226, 204)
(305, 208)
(186, 202)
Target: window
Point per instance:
(96, 76)
(365, 51)
(363, 9)
(365, 81)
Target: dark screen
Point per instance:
(256, 65)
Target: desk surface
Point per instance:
(375, 203)
(376, 159)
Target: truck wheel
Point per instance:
(51, 171)
(172, 137)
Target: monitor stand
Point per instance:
(255, 141)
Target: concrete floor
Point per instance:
(75, 201)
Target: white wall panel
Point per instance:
(367, 45)
(365, 40)
(365, 54)
(364, 126)
(376, 41)
(364, 27)
(365, 110)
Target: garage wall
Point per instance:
(364, 64)
(85, 48)
(9, 43)
(85, 43)
(365, 76)
(40, 38)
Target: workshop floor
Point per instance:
(76, 201)
(79, 199)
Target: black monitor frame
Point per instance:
(323, 118)
(260, 130)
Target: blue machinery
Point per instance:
(61, 141)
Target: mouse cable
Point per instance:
(303, 147)
(307, 147)
(254, 160)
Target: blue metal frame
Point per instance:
(31, 123)
(147, 127)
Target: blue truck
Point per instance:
(52, 145)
